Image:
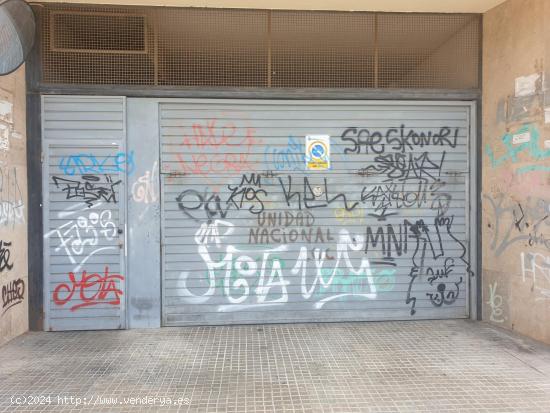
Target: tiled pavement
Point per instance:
(423, 366)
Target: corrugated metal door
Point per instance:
(84, 175)
(251, 235)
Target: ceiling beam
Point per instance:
(426, 6)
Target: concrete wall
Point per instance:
(516, 167)
(13, 202)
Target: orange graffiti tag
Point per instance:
(217, 139)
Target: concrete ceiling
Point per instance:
(430, 6)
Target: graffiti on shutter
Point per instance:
(251, 235)
(84, 195)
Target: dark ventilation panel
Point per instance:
(82, 32)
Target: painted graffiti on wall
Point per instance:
(513, 222)
(262, 235)
(401, 167)
(248, 194)
(401, 139)
(305, 194)
(523, 145)
(310, 193)
(346, 217)
(13, 293)
(6, 262)
(12, 206)
(381, 197)
(495, 304)
(288, 158)
(519, 213)
(262, 271)
(86, 233)
(13, 189)
(360, 277)
(535, 268)
(144, 189)
(7, 127)
(5, 133)
(89, 188)
(209, 149)
(429, 245)
(288, 227)
(236, 267)
(288, 248)
(91, 289)
(6, 124)
(91, 164)
(78, 237)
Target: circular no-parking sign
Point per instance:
(317, 152)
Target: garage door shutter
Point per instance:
(251, 234)
(84, 175)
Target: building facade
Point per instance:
(229, 165)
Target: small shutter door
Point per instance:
(84, 207)
(250, 234)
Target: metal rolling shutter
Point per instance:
(250, 236)
(84, 174)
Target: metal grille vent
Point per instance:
(98, 32)
(319, 49)
(210, 47)
(257, 48)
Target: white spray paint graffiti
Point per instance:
(211, 232)
(236, 290)
(12, 207)
(244, 272)
(143, 190)
(84, 241)
(6, 124)
(345, 243)
(7, 128)
(4, 137)
(495, 302)
(80, 233)
(377, 237)
(536, 266)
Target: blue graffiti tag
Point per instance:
(512, 151)
(88, 163)
(290, 157)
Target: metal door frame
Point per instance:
(472, 194)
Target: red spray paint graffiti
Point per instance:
(93, 289)
(216, 140)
